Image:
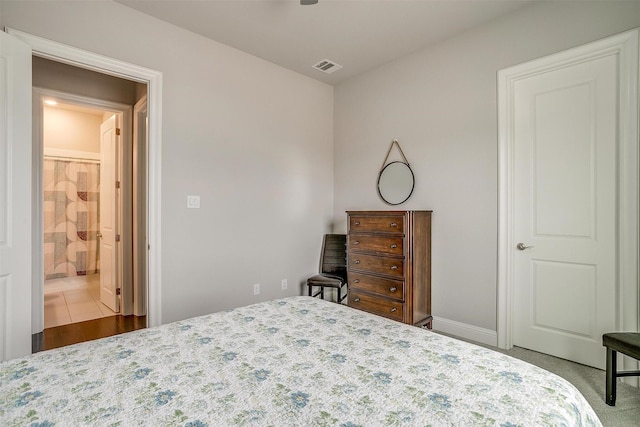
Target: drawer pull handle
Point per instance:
(393, 289)
(356, 281)
(393, 224)
(393, 309)
(394, 267)
(357, 242)
(356, 300)
(356, 223)
(356, 261)
(393, 246)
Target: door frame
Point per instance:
(140, 208)
(153, 79)
(625, 46)
(124, 256)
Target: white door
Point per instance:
(565, 151)
(109, 272)
(15, 198)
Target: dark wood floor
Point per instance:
(85, 331)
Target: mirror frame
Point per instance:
(413, 183)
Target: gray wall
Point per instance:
(79, 81)
(441, 104)
(254, 140)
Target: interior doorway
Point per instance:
(74, 168)
(88, 144)
(568, 155)
(23, 316)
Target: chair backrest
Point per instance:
(333, 259)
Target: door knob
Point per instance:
(522, 246)
(99, 235)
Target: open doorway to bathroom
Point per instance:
(91, 131)
(73, 205)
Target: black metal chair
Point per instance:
(333, 267)
(626, 343)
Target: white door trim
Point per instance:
(140, 208)
(625, 45)
(15, 202)
(92, 61)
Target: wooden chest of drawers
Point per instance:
(389, 264)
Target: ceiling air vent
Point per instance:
(327, 66)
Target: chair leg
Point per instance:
(310, 289)
(346, 292)
(610, 393)
(339, 298)
(322, 292)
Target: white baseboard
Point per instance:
(468, 332)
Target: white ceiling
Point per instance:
(358, 34)
(72, 107)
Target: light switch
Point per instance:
(193, 202)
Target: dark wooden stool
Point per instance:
(626, 343)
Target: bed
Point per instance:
(297, 361)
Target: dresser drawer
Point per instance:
(376, 305)
(392, 245)
(393, 267)
(377, 285)
(376, 224)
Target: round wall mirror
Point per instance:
(395, 183)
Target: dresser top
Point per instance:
(385, 212)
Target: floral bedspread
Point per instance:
(298, 361)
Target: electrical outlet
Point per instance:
(284, 284)
(193, 202)
(256, 288)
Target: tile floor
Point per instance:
(73, 299)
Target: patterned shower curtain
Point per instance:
(71, 218)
